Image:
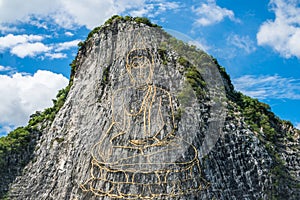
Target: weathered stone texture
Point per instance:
(237, 167)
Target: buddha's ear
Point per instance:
(128, 68)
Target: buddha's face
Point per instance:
(139, 66)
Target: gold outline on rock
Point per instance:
(186, 177)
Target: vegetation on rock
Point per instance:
(257, 115)
(117, 18)
(20, 143)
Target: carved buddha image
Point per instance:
(141, 155)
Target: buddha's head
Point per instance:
(140, 66)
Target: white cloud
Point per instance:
(152, 8)
(56, 55)
(8, 12)
(67, 45)
(164, 6)
(282, 34)
(57, 48)
(70, 13)
(68, 33)
(29, 49)
(65, 13)
(90, 13)
(141, 12)
(37, 23)
(10, 40)
(3, 68)
(242, 42)
(5, 29)
(30, 45)
(272, 87)
(210, 13)
(22, 95)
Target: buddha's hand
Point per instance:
(144, 142)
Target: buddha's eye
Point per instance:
(135, 64)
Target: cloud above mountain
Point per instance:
(241, 43)
(70, 13)
(268, 86)
(31, 46)
(23, 94)
(210, 13)
(283, 33)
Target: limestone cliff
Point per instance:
(149, 117)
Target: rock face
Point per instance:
(145, 119)
(14, 162)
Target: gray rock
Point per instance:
(136, 125)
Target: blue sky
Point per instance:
(257, 41)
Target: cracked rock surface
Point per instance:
(140, 124)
